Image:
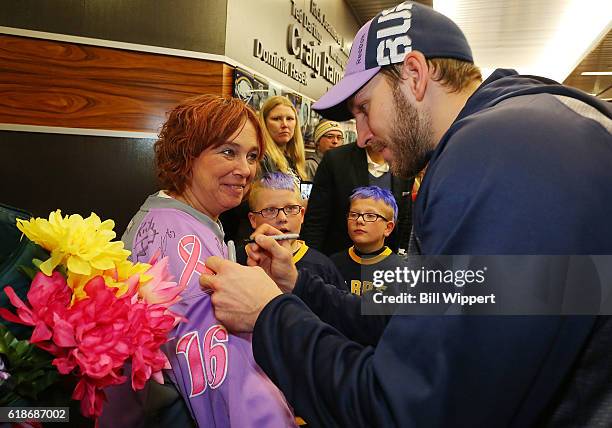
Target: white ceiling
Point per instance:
(543, 37)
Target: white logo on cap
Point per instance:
(392, 49)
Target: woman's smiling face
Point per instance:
(220, 175)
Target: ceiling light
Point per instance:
(555, 43)
(596, 73)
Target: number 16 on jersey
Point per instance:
(207, 362)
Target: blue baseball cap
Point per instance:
(387, 39)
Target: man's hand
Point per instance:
(273, 258)
(239, 293)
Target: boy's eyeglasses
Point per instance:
(367, 217)
(272, 212)
(334, 137)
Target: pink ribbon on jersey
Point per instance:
(191, 258)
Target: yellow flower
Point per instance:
(124, 270)
(117, 277)
(77, 283)
(84, 246)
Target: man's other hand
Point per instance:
(239, 293)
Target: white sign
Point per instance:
(298, 43)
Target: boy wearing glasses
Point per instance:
(327, 135)
(275, 200)
(371, 218)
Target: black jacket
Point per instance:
(341, 170)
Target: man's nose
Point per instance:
(364, 134)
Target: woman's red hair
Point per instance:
(193, 126)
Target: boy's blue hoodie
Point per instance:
(526, 168)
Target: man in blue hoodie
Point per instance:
(516, 165)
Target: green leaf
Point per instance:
(22, 347)
(28, 271)
(30, 368)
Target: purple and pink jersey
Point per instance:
(214, 371)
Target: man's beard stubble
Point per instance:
(411, 137)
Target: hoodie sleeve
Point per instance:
(425, 371)
(339, 308)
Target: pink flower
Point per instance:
(97, 335)
(148, 337)
(91, 396)
(160, 289)
(48, 296)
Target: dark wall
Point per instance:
(182, 24)
(77, 174)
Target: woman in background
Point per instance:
(284, 145)
(206, 157)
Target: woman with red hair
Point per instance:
(206, 157)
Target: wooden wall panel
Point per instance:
(228, 81)
(49, 83)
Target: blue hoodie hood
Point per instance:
(506, 83)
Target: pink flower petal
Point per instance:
(41, 333)
(9, 316)
(64, 365)
(24, 312)
(63, 333)
(158, 377)
(155, 257)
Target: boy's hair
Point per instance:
(378, 194)
(274, 181)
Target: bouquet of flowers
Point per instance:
(92, 309)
